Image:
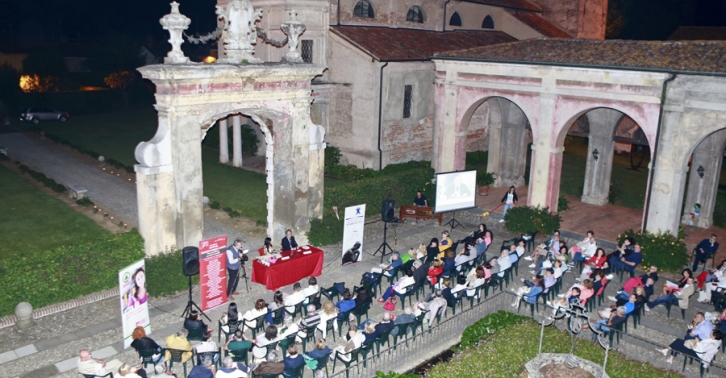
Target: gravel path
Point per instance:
(116, 196)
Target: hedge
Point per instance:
(398, 182)
(528, 219)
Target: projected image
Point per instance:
(455, 191)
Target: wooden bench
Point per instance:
(77, 192)
(419, 212)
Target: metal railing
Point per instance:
(448, 331)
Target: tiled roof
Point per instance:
(675, 56)
(514, 4)
(411, 44)
(540, 24)
(699, 33)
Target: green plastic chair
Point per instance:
(353, 355)
(175, 355)
(233, 327)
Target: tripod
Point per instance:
(382, 248)
(453, 222)
(244, 275)
(191, 305)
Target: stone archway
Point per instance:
(190, 98)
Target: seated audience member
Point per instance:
(627, 261)
(548, 278)
(232, 315)
(446, 291)
(472, 282)
(269, 365)
(346, 303)
(288, 329)
(646, 289)
(386, 325)
(237, 343)
(480, 246)
(704, 296)
(432, 250)
(203, 370)
(585, 289)
(529, 293)
(362, 297)
(278, 302)
(558, 268)
(143, 343)
(480, 231)
(488, 237)
(629, 307)
(467, 254)
(403, 320)
(584, 249)
(420, 272)
(355, 341)
(538, 256)
(704, 250)
(194, 321)
(640, 297)
(369, 331)
(208, 345)
(312, 288)
(230, 369)
(179, 341)
(553, 242)
(699, 330)
(161, 372)
(449, 265)
(631, 283)
(328, 312)
(252, 314)
(131, 372)
(681, 296)
(434, 304)
(561, 254)
(320, 350)
(434, 271)
(593, 263)
(521, 244)
(445, 243)
(389, 269)
(312, 319)
(712, 275)
(400, 288)
(259, 347)
(616, 317)
(624, 249)
(293, 299)
(89, 365)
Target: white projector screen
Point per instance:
(455, 191)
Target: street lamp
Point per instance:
(700, 171)
(595, 154)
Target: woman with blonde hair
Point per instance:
(130, 372)
(329, 311)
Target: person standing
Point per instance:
(288, 242)
(235, 258)
(704, 250)
(509, 200)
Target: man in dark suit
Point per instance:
(288, 242)
(235, 258)
(419, 274)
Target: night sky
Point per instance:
(29, 23)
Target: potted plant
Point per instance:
(484, 180)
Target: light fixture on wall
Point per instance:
(700, 171)
(595, 154)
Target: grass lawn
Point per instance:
(504, 354)
(33, 221)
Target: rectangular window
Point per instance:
(306, 50)
(407, 98)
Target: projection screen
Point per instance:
(455, 191)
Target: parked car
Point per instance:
(42, 113)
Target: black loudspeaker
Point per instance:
(388, 210)
(191, 261)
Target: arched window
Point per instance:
(363, 9)
(488, 23)
(455, 19)
(415, 14)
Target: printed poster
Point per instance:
(213, 272)
(355, 217)
(134, 306)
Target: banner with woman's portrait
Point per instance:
(134, 305)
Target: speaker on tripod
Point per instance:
(190, 267)
(387, 215)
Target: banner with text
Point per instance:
(134, 308)
(355, 217)
(212, 272)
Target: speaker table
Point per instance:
(287, 272)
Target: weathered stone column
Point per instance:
(237, 140)
(223, 141)
(602, 122)
(702, 190)
(508, 147)
(446, 128)
(544, 182)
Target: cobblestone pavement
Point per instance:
(107, 191)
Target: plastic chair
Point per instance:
(384, 337)
(456, 300)
(311, 299)
(175, 355)
(296, 372)
(259, 325)
(309, 335)
(238, 355)
(408, 294)
(359, 311)
(233, 327)
(296, 310)
(417, 322)
(147, 356)
(330, 293)
(322, 364)
(278, 316)
(532, 306)
(668, 307)
(330, 327)
(353, 356)
(402, 331)
(110, 375)
(343, 317)
(198, 357)
(529, 242)
(195, 334)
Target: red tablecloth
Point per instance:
(287, 272)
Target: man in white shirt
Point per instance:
(296, 297)
(311, 289)
(89, 365)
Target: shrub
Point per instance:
(477, 157)
(351, 172)
(400, 187)
(43, 179)
(215, 205)
(332, 158)
(4, 157)
(164, 273)
(562, 203)
(484, 178)
(67, 272)
(527, 219)
(85, 202)
(666, 251)
(390, 374)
